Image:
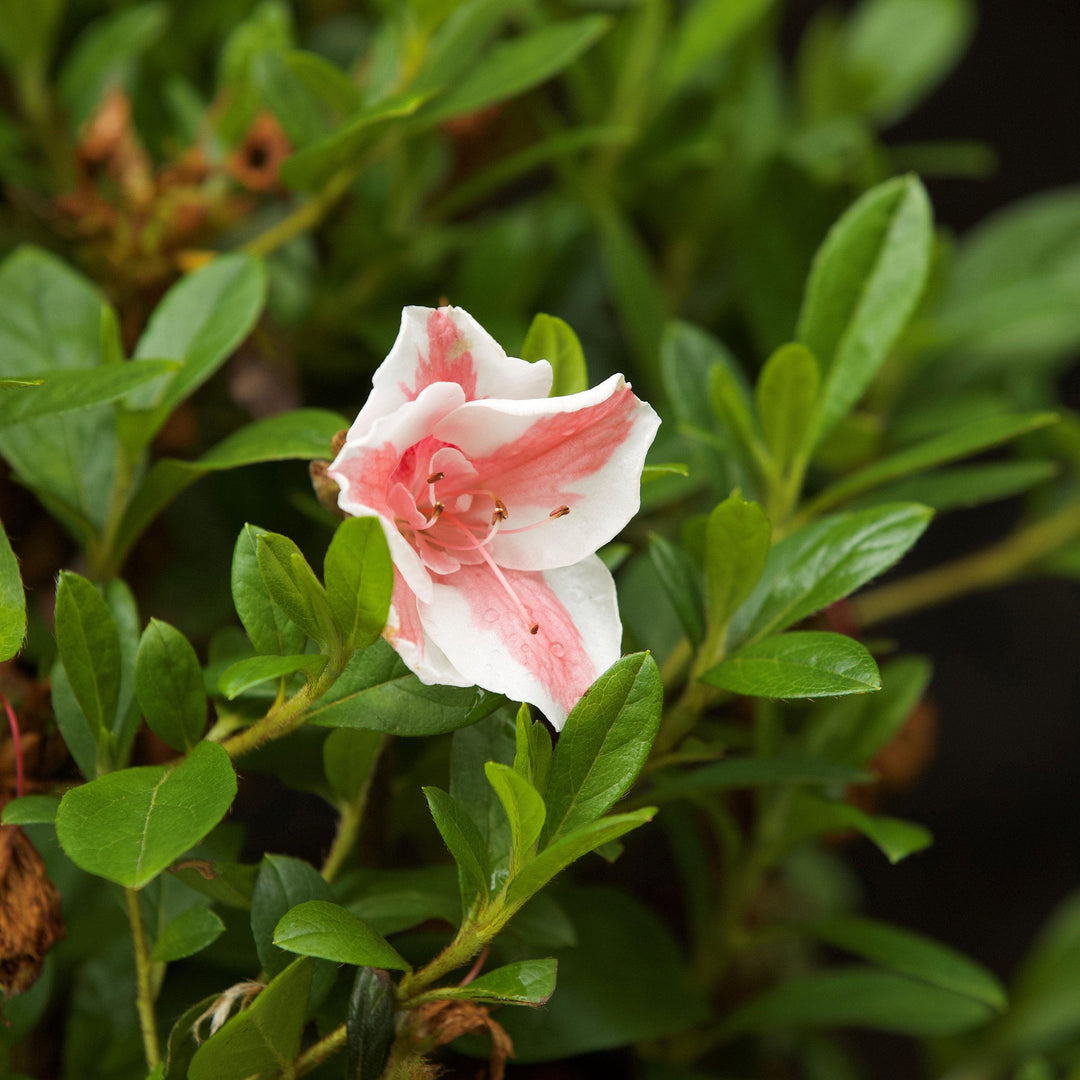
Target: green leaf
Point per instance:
(731, 406)
(741, 772)
(265, 1037)
(359, 580)
(376, 691)
(12, 601)
(863, 286)
(786, 392)
(69, 391)
(282, 883)
(524, 810)
(30, 810)
(201, 320)
(190, 932)
(863, 998)
(532, 751)
(89, 649)
(812, 816)
(130, 825)
(268, 627)
(228, 883)
(682, 583)
(169, 686)
(909, 954)
(106, 55)
(800, 664)
(28, 33)
(825, 561)
(463, 841)
(125, 615)
(302, 434)
(737, 538)
(709, 28)
(74, 727)
(369, 1025)
(528, 982)
(331, 932)
(512, 67)
(293, 586)
(569, 848)
(551, 339)
(950, 446)
(245, 674)
(606, 741)
(349, 759)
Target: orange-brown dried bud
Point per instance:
(902, 760)
(256, 162)
(441, 1022)
(30, 922)
(326, 490)
(108, 142)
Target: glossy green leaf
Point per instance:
(799, 664)
(812, 816)
(551, 339)
(524, 809)
(786, 393)
(349, 759)
(602, 748)
(512, 67)
(293, 586)
(532, 751)
(12, 601)
(708, 29)
(130, 825)
(950, 446)
(749, 771)
(69, 391)
(30, 810)
(528, 982)
(394, 900)
(464, 842)
(89, 646)
(910, 954)
(737, 538)
(331, 932)
(825, 561)
(863, 998)
(682, 582)
(169, 686)
(268, 627)
(359, 580)
(863, 286)
(190, 932)
(245, 674)
(282, 883)
(369, 1024)
(265, 1037)
(687, 356)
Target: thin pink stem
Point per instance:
(16, 741)
(475, 969)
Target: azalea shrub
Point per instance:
(449, 453)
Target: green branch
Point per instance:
(144, 982)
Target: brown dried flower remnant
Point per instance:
(441, 1022)
(256, 162)
(30, 922)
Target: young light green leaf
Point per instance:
(349, 759)
(858, 997)
(169, 686)
(528, 982)
(681, 580)
(359, 580)
(812, 816)
(825, 561)
(190, 932)
(706, 31)
(12, 601)
(865, 281)
(687, 356)
(128, 826)
(551, 339)
(736, 548)
(606, 740)
(786, 392)
(268, 627)
(464, 843)
(569, 848)
(78, 736)
(731, 406)
(910, 954)
(125, 613)
(265, 1037)
(89, 647)
(524, 810)
(800, 664)
(532, 750)
(245, 674)
(30, 810)
(330, 932)
(950, 446)
(293, 586)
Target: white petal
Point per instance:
(406, 633)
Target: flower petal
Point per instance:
(584, 451)
(447, 345)
(406, 633)
(482, 633)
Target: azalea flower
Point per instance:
(494, 499)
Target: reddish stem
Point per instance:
(475, 969)
(16, 740)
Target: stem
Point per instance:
(282, 719)
(348, 832)
(471, 938)
(306, 216)
(16, 744)
(986, 569)
(321, 1052)
(143, 982)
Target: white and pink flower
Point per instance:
(494, 499)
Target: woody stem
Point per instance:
(144, 983)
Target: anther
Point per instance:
(437, 509)
(435, 477)
(500, 513)
(559, 511)
(535, 628)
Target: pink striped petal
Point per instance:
(481, 631)
(447, 345)
(405, 632)
(584, 451)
